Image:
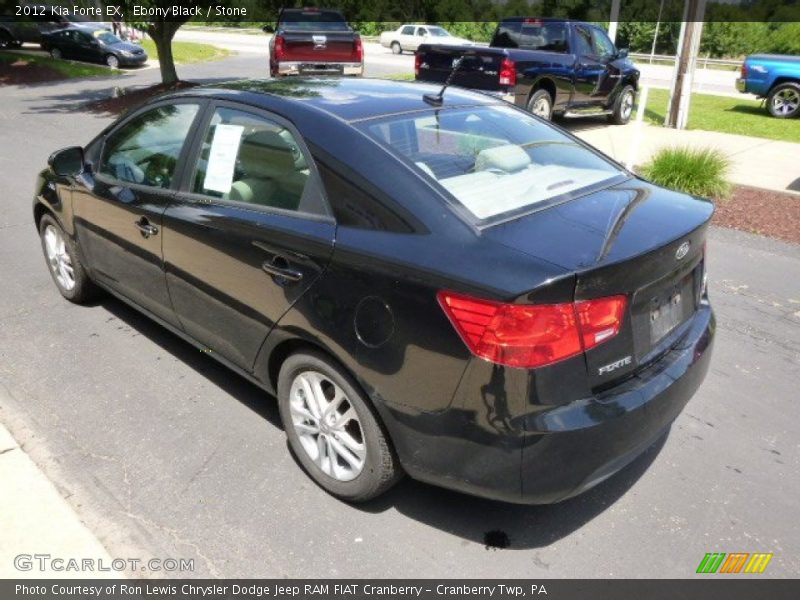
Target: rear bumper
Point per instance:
(308, 68)
(741, 84)
(557, 452)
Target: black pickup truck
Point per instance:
(549, 66)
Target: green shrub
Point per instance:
(701, 172)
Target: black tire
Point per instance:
(396, 48)
(623, 106)
(541, 104)
(783, 101)
(83, 289)
(381, 468)
(6, 41)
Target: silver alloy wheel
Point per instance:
(327, 425)
(396, 48)
(58, 258)
(786, 101)
(541, 108)
(55, 53)
(112, 61)
(627, 106)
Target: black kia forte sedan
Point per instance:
(93, 45)
(443, 286)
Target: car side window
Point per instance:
(583, 41)
(422, 32)
(408, 30)
(603, 46)
(145, 150)
(249, 158)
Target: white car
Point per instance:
(409, 37)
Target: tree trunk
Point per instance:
(162, 34)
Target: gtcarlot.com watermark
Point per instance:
(57, 564)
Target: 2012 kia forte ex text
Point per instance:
(441, 285)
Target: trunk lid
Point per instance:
(479, 71)
(633, 238)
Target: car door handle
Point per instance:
(146, 229)
(279, 267)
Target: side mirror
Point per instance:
(622, 53)
(67, 162)
(268, 29)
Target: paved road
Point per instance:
(164, 453)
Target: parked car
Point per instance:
(460, 292)
(409, 37)
(312, 41)
(92, 45)
(776, 78)
(17, 30)
(548, 66)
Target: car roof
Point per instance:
(346, 98)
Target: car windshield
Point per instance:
(107, 37)
(311, 20)
(495, 161)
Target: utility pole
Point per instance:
(613, 20)
(655, 36)
(688, 45)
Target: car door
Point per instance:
(421, 33)
(591, 69)
(407, 38)
(118, 204)
(87, 48)
(248, 233)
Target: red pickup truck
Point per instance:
(311, 41)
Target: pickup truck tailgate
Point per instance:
(322, 46)
(480, 69)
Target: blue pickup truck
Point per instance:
(776, 78)
(548, 66)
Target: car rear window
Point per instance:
(531, 34)
(494, 161)
(313, 20)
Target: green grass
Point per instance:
(698, 171)
(726, 114)
(67, 68)
(399, 77)
(187, 52)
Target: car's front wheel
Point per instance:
(65, 266)
(333, 430)
(56, 53)
(396, 48)
(112, 61)
(623, 106)
(783, 100)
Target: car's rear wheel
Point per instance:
(65, 266)
(112, 61)
(6, 41)
(56, 53)
(332, 429)
(541, 104)
(783, 101)
(623, 106)
(396, 48)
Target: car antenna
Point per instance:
(437, 99)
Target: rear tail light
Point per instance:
(532, 335)
(743, 74)
(508, 72)
(280, 47)
(358, 51)
(417, 63)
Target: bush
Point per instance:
(700, 172)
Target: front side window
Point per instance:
(583, 39)
(494, 160)
(145, 150)
(602, 44)
(251, 159)
(422, 32)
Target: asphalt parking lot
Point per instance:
(164, 453)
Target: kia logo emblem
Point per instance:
(682, 250)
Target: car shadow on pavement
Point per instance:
(488, 522)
